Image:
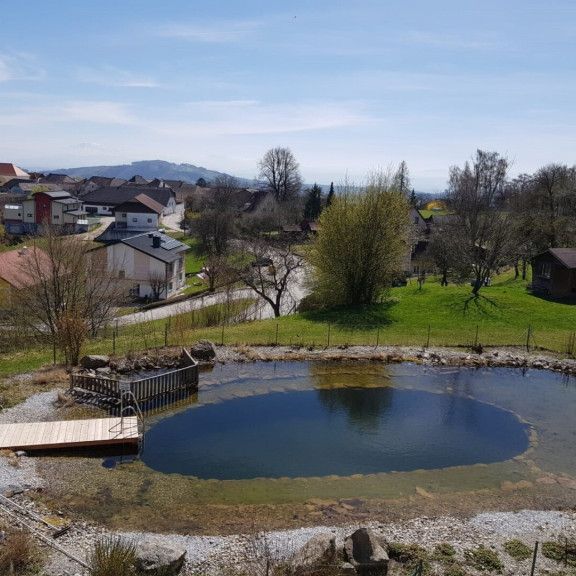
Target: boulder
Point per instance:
(94, 361)
(203, 350)
(318, 553)
(159, 559)
(365, 553)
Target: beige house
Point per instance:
(151, 265)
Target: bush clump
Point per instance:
(19, 554)
(454, 570)
(444, 552)
(410, 555)
(112, 556)
(560, 551)
(484, 559)
(518, 550)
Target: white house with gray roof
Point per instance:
(151, 265)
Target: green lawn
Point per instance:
(435, 315)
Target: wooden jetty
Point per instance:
(99, 432)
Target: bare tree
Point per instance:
(481, 227)
(282, 173)
(268, 270)
(157, 281)
(70, 293)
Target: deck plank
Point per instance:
(66, 434)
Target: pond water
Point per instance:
(317, 419)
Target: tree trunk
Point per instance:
(516, 270)
(524, 262)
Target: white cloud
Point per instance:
(223, 32)
(19, 66)
(111, 76)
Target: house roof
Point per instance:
(137, 179)
(57, 194)
(168, 251)
(8, 169)
(69, 200)
(15, 265)
(566, 256)
(140, 203)
(59, 179)
(109, 196)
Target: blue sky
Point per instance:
(349, 86)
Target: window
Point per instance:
(122, 274)
(56, 217)
(170, 286)
(134, 219)
(28, 215)
(149, 220)
(123, 214)
(546, 270)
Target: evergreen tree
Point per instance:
(330, 196)
(313, 205)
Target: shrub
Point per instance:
(517, 549)
(484, 559)
(444, 553)
(112, 556)
(410, 555)
(560, 551)
(454, 570)
(18, 554)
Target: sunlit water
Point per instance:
(305, 419)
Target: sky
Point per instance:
(349, 86)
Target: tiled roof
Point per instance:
(7, 169)
(15, 265)
(114, 196)
(142, 200)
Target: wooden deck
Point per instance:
(69, 434)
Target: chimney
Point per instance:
(156, 241)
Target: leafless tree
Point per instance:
(281, 171)
(268, 270)
(70, 292)
(481, 227)
(157, 281)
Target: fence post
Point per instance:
(378, 337)
(534, 559)
(529, 334)
(328, 344)
(476, 338)
(428, 338)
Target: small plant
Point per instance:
(454, 570)
(410, 555)
(444, 552)
(19, 554)
(484, 559)
(112, 556)
(560, 551)
(518, 550)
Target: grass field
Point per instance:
(504, 314)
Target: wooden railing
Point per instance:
(185, 378)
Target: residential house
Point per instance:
(9, 171)
(103, 201)
(140, 214)
(15, 272)
(554, 273)
(151, 265)
(57, 208)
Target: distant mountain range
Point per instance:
(151, 169)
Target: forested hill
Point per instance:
(150, 169)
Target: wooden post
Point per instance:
(476, 337)
(328, 344)
(378, 337)
(534, 559)
(529, 334)
(428, 338)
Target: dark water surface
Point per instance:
(331, 419)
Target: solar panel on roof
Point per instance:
(170, 244)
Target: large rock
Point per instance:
(365, 553)
(203, 350)
(158, 559)
(317, 554)
(94, 361)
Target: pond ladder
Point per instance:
(133, 407)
